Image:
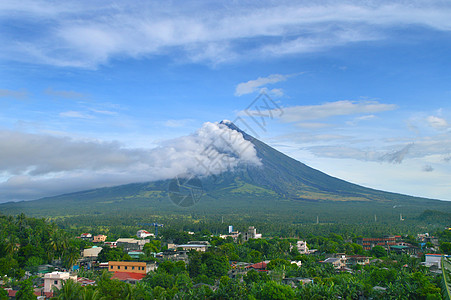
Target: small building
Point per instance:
(404, 248)
(297, 262)
(129, 244)
(92, 252)
(337, 262)
(251, 233)
(111, 244)
(100, 238)
(234, 235)
(85, 281)
(128, 277)
(261, 266)
(197, 247)
(352, 260)
(140, 267)
(130, 271)
(295, 281)
(301, 246)
(433, 260)
(85, 236)
(136, 254)
(369, 243)
(55, 279)
(143, 234)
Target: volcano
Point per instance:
(280, 184)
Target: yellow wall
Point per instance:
(127, 266)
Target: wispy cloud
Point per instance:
(17, 94)
(427, 168)
(252, 86)
(177, 123)
(348, 152)
(64, 94)
(71, 33)
(302, 113)
(75, 114)
(104, 112)
(396, 157)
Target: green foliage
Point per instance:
(110, 254)
(25, 291)
(445, 247)
(27, 242)
(3, 294)
(274, 291)
(111, 288)
(254, 276)
(379, 251)
(70, 290)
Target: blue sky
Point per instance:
(96, 94)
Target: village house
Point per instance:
(111, 244)
(301, 246)
(386, 241)
(55, 279)
(130, 271)
(143, 234)
(128, 244)
(295, 281)
(261, 266)
(251, 233)
(100, 238)
(85, 236)
(339, 261)
(352, 260)
(92, 252)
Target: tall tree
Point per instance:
(25, 291)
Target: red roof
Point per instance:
(258, 266)
(12, 293)
(128, 276)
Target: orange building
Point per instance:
(130, 267)
(99, 238)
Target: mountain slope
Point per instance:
(281, 184)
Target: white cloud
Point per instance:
(177, 123)
(40, 165)
(312, 125)
(20, 94)
(252, 86)
(73, 33)
(437, 123)
(304, 113)
(64, 94)
(75, 114)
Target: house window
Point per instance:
(133, 268)
(55, 282)
(125, 267)
(118, 267)
(111, 267)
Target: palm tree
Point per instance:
(69, 291)
(89, 293)
(58, 242)
(11, 245)
(70, 256)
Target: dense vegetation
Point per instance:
(26, 243)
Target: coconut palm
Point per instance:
(70, 290)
